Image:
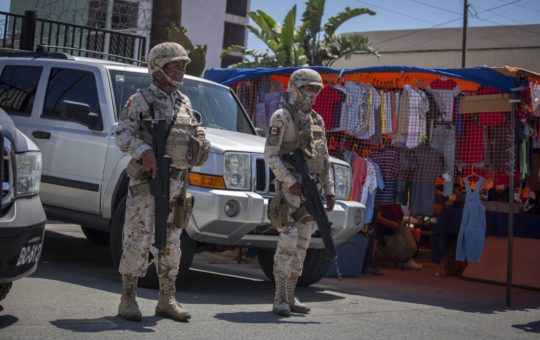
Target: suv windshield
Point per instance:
(219, 108)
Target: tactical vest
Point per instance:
(311, 139)
(183, 126)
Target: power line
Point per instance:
(443, 23)
(436, 7)
(395, 12)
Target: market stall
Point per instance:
(418, 128)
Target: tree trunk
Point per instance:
(164, 12)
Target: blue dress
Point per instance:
(472, 230)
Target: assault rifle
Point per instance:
(313, 203)
(159, 186)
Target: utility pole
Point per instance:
(464, 41)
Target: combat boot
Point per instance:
(281, 305)
(167, 305)
(128, 308)
(295, 305)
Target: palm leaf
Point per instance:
(334, 22)
(313, 15)
(269, 27)
(286, 36)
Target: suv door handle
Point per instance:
(41, 134)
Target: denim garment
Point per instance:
(472, 230)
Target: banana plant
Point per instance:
(289, 45)
(197, 53)
(326, 50)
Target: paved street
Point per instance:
(75, 293)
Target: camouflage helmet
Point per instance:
(303, 77)
(298, 97)
(164, 53)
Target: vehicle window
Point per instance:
(68, 84)
(18, 85)
(218, 106)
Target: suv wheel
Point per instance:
(315, 265)
(150, 280)
(4, 290)
(96, 236)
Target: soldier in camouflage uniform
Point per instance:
(296, 125)
(166, 63)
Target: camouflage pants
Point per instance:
(138, 234)
(293, 241)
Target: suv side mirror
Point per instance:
(260, 132)
(80, 112)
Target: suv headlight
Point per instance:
(28, 175)
(342, 181)
(237, 170)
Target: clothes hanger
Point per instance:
(473, 173)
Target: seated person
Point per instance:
(388, 220)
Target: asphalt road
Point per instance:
(75, 293)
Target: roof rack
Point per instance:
(40, 52)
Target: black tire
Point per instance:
(150, 280)
(315, 265)
(4, 290)
(96, 236)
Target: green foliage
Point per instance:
(289, 45)
(196, 53)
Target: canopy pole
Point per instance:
(514, 100)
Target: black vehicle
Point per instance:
(22, 219)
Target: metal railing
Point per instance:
(27, 32)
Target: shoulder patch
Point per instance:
(274, 131)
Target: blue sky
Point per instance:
(404, 14)
(407, 14)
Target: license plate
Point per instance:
(29, 254)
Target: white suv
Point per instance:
(69, 107)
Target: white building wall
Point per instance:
(204, 21)
(205, 24)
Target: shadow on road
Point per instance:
(7, 320)
(107, 323)
(262, 317)
(531, 327)
(73, 259)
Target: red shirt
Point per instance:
(325, 105)
(490, 118)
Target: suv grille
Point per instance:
(7, 173)
(264, 178)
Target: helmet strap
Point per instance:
(162, 83)
(173, 82)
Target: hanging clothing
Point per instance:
(490, 118)
(444, 91)
(428, 165)
(370, 203)
(328, 104)
(470, 147)
(472, 230)
(388, 161)
(359, 172)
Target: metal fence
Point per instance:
(26, 32)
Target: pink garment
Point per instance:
(359, 171)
